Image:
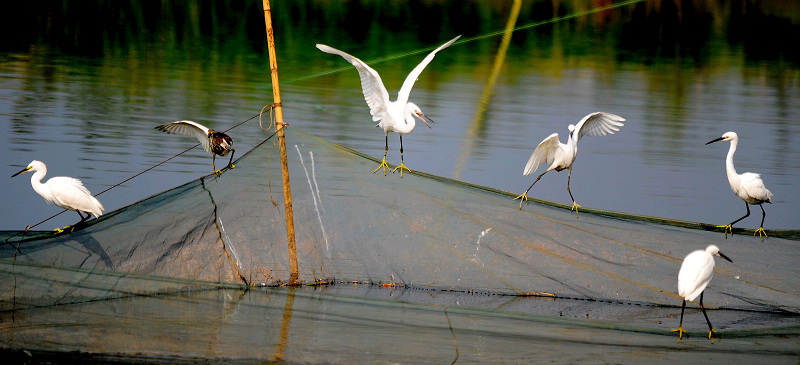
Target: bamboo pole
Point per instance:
(287, 191)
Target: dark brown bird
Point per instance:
(216, 143)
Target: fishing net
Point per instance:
(452, 270)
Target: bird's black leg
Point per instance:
(524, 196)
(710, 328)
(384, 164)
(680, 325)
(401, 148)
(745, 216)
(729, 227)
(575, 205)
(72, 227)
(230, 162)
(760, 231)
(402, 165)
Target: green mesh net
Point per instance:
(451, 270)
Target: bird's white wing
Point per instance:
(695, 274)
(544, 152)
(598, 124)
(188, 128)
(754, 186)
(69, 193)
(371, 84)
(405, 90)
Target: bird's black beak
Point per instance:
(725, 257)
(423, 118)
(21, 172)
(716, 140)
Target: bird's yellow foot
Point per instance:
(523, 197)
(575, 207)
(726, 229)
(680, 332)
(715, 335)
(67, 229)
(218, 173)
(759, 232)
(383, 164)
(401, 167)
(232, 166)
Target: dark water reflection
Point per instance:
(82, 86)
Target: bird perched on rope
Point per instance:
(560, 156)
(747, 186)
(65, 192)
(216, 143)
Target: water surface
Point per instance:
(85, 99)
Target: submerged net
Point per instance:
(420, 260)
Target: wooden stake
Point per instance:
(287, 191)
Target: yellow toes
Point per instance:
(759, 232)
(63, 230)
(680, 332)
(575, 207)
(726, 229)
(383, 164)
(715, 335)
(523, 197)
(401, 167)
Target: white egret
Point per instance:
(65, 192)
(560, 156)
(216, 143)
(392, 116)
(695, 274)
(747, 186)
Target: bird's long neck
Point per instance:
(572, 144)
(36, 181)
(411, 122)
(729, 162)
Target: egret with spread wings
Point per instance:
(392, 116)
(560, 156)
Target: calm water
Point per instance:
(84, 96)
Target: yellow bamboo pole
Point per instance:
(287, 191)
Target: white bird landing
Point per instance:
(695, 274)
(560, 156)
(65, 192)
(747, 186)
(392, 116)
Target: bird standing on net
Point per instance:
(65, 192)
(696, 272)
(392, 116)
(216, 143)
(560, 156)
(747, 186)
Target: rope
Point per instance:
(270, 106)
(496, 33)
(271, 116)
